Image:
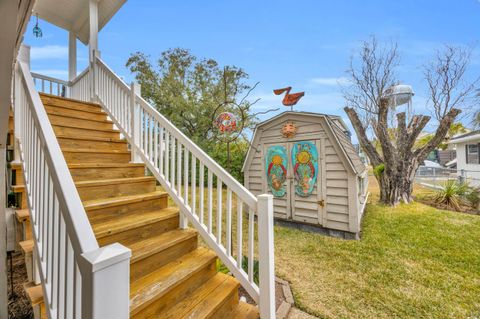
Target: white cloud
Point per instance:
(49, 52)
(54, 73)
(331, 81)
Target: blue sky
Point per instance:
(304, 44)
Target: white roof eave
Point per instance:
(470, 138)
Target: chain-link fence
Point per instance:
(435, 177)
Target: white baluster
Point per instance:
(251, 247)
(193, 185)
(229, 222)
(201, 186)
(239, 232)
(219, 211)
(210, 201)
(185, 176)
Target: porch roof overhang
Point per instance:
(73, 15)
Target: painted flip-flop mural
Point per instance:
(276, 168)
(305, 167)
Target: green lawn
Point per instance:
(413, 261)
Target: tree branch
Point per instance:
(365, 143)
(442, 130)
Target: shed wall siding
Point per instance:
(337, 189)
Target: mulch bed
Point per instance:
(463, 208)
(18, 304)
(279, 297)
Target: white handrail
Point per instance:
(79, 88)
(73, 270)
(175, 161)
(50, 85)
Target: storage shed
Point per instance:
(306, 160)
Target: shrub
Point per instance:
(473, 197)
(255, 268)
(451, 194)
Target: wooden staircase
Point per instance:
(170, 275)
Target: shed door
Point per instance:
(305, 186)
(276, 161)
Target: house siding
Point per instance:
(471, 170)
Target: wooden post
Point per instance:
(106, 282)
(135, 90)
(266, 256)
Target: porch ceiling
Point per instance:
(72, 15)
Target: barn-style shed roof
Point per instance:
(334, 124)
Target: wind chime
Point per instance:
(37, 32)
(228, 126)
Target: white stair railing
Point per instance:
(80, 87)
(79, 279)
(50, 85)
(184, 170)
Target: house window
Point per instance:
(472, 153)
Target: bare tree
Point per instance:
(394, 153)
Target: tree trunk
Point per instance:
(400, 159)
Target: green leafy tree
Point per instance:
(191, 92)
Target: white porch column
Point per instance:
(93, 18)
(72, 56)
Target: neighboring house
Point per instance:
(100, 240)
(468, 156)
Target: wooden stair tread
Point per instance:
(112, 181)
(104, 165)
(205, 300)
(99, 112)
(104, 121)
(16, 165)
(156, 284)
(55, 101)
(18, 188)
(34, 293)
(93, 151)
(121, 200)
(26, 246)
(92, 138)
(124, 222)
(56, 97)
(154, 244)
(245, 311)
(112, 130)
(22, 215)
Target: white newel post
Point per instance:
(106, 282)
(93, 46)
(135, 90)
(72, 56)
(266, 256)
